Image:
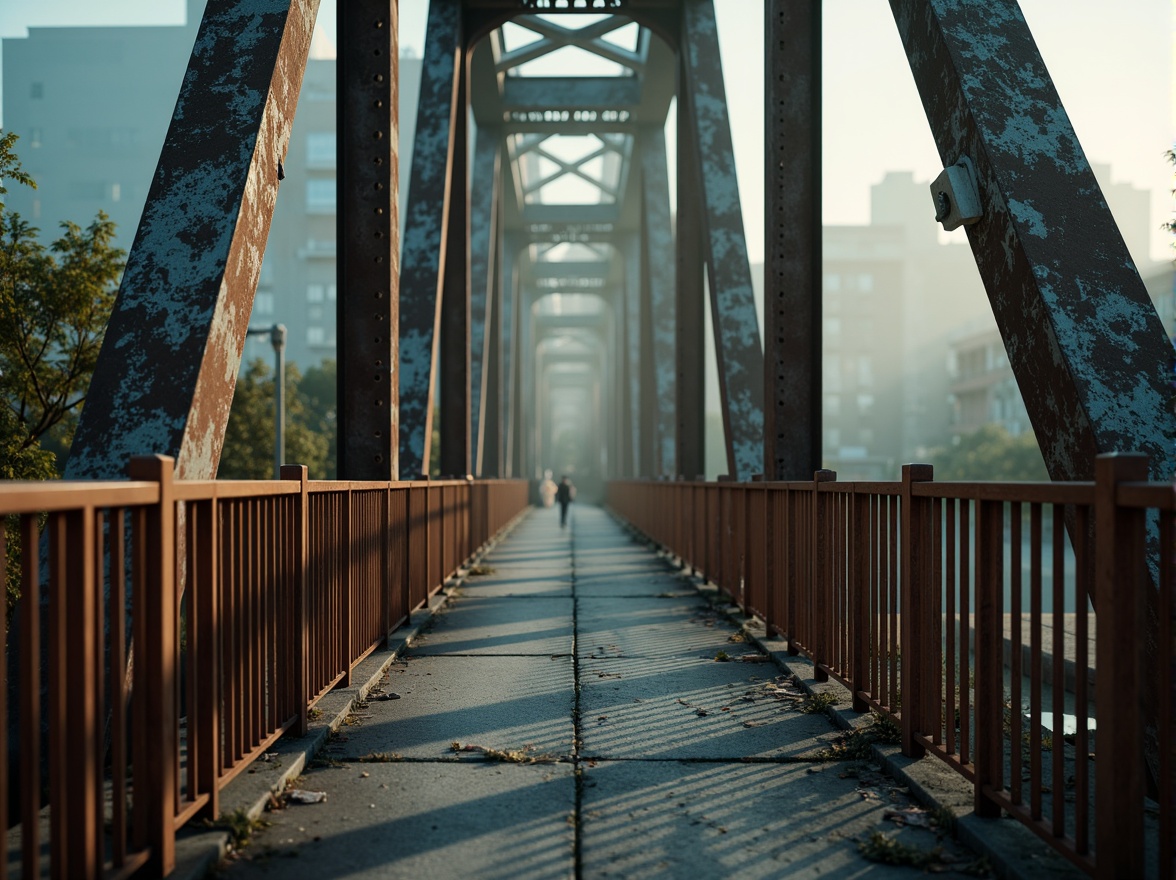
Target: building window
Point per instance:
(832, 405)
(865, 404)
(314, 313)
(37, 91)
(831, 373)
(832, 328)
(865, 370)
(315, 336)
(263, 304)
(865, 283)
(320, 149)
(35, 138)
(832, 282)
(320, 196)
(833, 437)
(332, 292)
(116, 192)
(267, 274)
(314, 293)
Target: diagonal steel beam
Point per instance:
(368, 236)
(1083, 338)
(792, 274)
(165, 376)
(425, 225)
(738, 353)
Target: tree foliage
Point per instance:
(55, 302)
(248, 453)
(991, 453)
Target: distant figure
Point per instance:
(565, 495)
(547, 490)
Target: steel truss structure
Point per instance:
(538, 235)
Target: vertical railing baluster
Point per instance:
(913, 601)
(989, 641)
(157, 657)
(1119, 600)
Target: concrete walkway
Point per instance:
(565, 716)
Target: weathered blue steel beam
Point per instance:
(579, 93)
(368, 238)
(631, 253)
(484, 242)
(658, 241)
(425, 226)
(165, 376)
(1083, 338)
(453, 355)
(492, 433)
(738, 353)
(690, 341)
(792, 273)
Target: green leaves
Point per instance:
(55, 302)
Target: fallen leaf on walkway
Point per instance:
(913, 816)
(701, 712)
(754, 723)
(755, 658)
(387, 696)
(302, 796)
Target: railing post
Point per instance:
(859, 598)
(820, 607)
(913, 601)
(989, 647)
(1120, 597)
(301, 641)
(155, 671)
(347, 649)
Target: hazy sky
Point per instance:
(1112, 67)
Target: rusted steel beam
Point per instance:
(508, 345)
(484, 235)
(425, 223)
(690, 341)
(1083, 338)
(491, 435)
(738, 353)
(453, 363)
(792, 273)
(658, 241)
(165, 376)
(368, 240)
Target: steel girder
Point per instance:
(187, 291)
(633, 347)
(793, 270)
(484, 244)
(1083, 338)
(690, 341)
(368, 241)
(738, 352)
(454, 354)
(658, 241)
(426, 223)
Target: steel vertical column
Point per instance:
(491, 435)
(691, 317)
(793, 273)
(509, 348)
(453, 357)
(165, 376)
(484, 194)
(647, 412)
(738, 353)
(423, 259)
(631, 253)
(1083, 338)
(658, 242)
(368, 239)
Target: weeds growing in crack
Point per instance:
(858, 744)
(819, 703)
(241, 827)
(509, 756)
(380, 758)
(881, 847)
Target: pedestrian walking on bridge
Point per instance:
(565, 495)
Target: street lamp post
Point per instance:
(277, 335)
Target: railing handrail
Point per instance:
(857, 579)
(320, 572)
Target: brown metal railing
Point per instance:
(180, 628)
(965, 612)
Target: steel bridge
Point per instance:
(538, 281)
